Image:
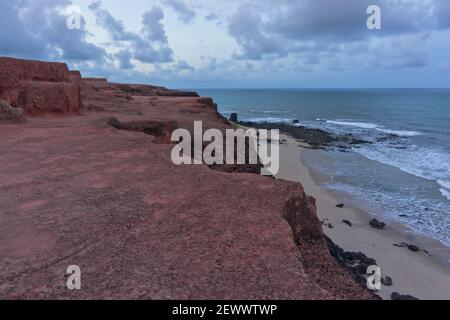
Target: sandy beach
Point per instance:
(420, 274)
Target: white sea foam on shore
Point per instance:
(445, 193)
(445, 190)
(431, 222)
(445, 184)
(426, 163)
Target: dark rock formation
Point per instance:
(315, 248)
(356, 263)
(234, 117)
(347, 223)
(376, 224)
(411, 247)
(316, 138)
(398, 296)
(387, 281)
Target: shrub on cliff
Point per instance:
(9, 114)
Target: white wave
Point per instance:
(445, 184)
(363, 125)
(275, 112)
(401, 133)
(270, 112)
(426, 163)
(269, 120)
(435, 223)
(368, 125)
(229, 111)
(445, 193)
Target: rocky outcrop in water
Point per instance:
(316, 138)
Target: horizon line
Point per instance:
(311, 88)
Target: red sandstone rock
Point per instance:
(39, 87)
(23, 70)
(96, 79)
(9, 114)
(75, 73)
(48, 97)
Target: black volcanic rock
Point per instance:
(412, 247)
(356, 263)
(387, 281)
(398, 296)
(376, 224)
(347, 223)
(316, 138)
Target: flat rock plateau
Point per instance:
(87, 180)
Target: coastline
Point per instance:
(107, 197)
(420, 274)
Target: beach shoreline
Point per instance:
(424, 274)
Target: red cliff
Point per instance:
(39, 87)
(97, 189)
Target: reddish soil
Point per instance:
(76, 191)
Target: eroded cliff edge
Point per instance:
(76, 190)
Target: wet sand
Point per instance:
(425, 276)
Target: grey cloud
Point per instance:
(149, 46)
(115, 28)
(397, 53)
(345, 20)
(214, 17)
(153, 28)
(183, 65)
(148, 54)
(245, 27)
(211, 16)
(442, 12)
(40, 32)
(185, 14)
(21, 42)
(124, 57)
(274, 29)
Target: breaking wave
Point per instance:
(368, 125)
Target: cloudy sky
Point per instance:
(245, 43)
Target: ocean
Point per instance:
(406, 179)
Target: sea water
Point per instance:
(406, 178)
